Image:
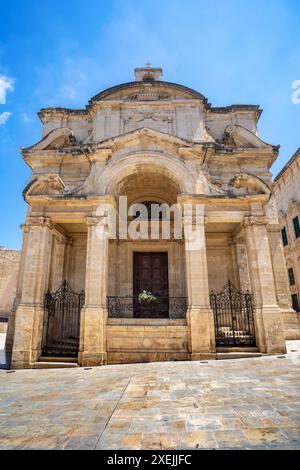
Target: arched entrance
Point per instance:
(147, 275)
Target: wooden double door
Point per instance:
(150, 274)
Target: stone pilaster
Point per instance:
(60, 250)
(34, 282)
(94, 314)
(243, 265)
(268, 318)
(200, 315)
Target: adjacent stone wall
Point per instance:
(287, 196)
(9, 269)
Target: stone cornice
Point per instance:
(76, 201)
(222, 199)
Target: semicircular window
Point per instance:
(148, 77)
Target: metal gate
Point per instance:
(62, 322)
(233, 314)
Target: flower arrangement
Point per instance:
(146, 297)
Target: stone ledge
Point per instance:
(146, 322)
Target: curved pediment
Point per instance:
(55, 140)
(44, 185)
(148, 91)
(239, 136)
(246, 184)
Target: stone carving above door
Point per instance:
(157, 121)
(147, 95)
(246, 184)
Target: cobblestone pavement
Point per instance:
(242, 403)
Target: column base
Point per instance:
(93, 337)
(27, 336)
(202, 332)
(274, 334)
(203, 356)
(87, 359)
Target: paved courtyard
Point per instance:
(242, 403)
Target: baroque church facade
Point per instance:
(80, 291)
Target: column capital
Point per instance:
(97, 220)
(39, 222)
(25, 228)
(254, 220)
(63, 240)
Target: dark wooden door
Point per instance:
(150, 274)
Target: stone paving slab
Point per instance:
(231, 404)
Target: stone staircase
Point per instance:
(237, 353)
(56, 363)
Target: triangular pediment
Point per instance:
(145, 135)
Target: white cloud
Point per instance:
(4, 118)
(69, 92)
(6, 84)
(26, 118)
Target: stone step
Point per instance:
(237, 355)
(58, 359)
(54, 365)
(241, 349)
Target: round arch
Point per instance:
(135, 165)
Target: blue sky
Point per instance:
(61, 53)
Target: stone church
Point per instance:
(91, 298)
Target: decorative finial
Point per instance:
(148, 65)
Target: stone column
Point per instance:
(200, 315)
(30, 311)
(268, 318)
(94, 314)
(243, 265)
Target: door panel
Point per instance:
(150, 273)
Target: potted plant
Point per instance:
(146, 297)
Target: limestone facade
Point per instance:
(287, 195)
(149, 140)
(9, 269)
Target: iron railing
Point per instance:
(163, 307)
(233, 314)
(62, 322)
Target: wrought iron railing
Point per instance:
(163, 307)
(62, 321)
